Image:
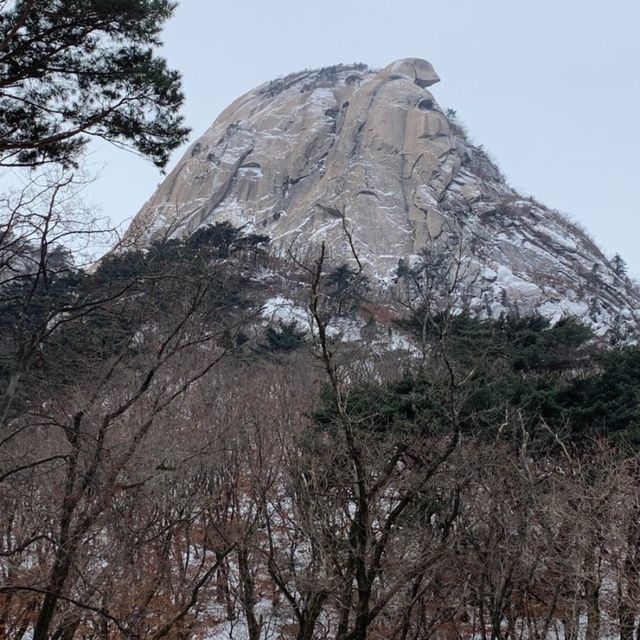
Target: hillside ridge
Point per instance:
(348, 150)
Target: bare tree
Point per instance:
(90, 433)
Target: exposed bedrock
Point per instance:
(300, 157)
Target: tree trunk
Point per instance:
(56, 584)
(223, 593)
(592, 600)
(248, 594)
(627, 620)
(629, 582)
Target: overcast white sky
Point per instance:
(550, 87)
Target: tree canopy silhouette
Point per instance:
(75, 69)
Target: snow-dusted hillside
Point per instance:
(305, 157)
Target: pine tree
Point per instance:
(287, 337)
(71, 69)
(348, 287)
(619, 266)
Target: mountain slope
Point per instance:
(308, 156)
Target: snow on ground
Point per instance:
(557, 310)
(558, 238)
(515, 285)
(282, 309)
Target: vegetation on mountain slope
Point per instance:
(173, 466)
(235, 485)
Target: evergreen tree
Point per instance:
(70, 69)
(285, 338)
(348, 288)
(619, 266)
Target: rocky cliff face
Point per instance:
(306, 156)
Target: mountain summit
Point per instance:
(305, 157)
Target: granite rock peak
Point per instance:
(304, 156)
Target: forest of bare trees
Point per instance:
(160, 477)
(170, 467)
